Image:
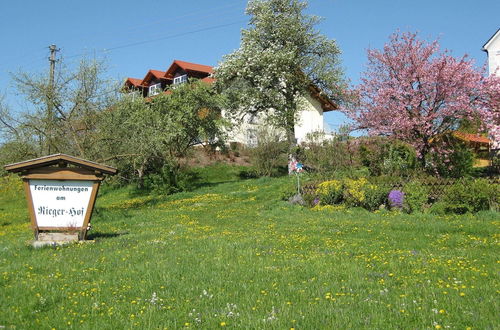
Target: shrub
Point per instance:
(354, 192)
(329, 156)
(455, 161)
(375, 196)
(330, 192)
(416, 196)
(270, 154)
(351, 192)
(384, 156)
(10, 185)
(169, 179)
(470, 196)
(310, 200)
(15, 151)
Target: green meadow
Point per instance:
(232, 254)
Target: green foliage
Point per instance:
(169, 180)
(142, 136)
(15, 151)
(310, 200)
(330, 192)
(11, 185)
(375, 196)
(329, 157)
(470, 196)
(62, 116)
(269, 157)
(416, 196)
(384, 156)
(280, 54)
(354, 192)
(456, 163)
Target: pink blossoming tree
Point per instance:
(415, 92)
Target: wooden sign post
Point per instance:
(61, 191)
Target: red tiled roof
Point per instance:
(134, 81)
(471, 137)
(187, 66)
(152, 73)
(157, 73)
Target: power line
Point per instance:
(26, 54)
(107, 50)
(181, 17)
(173, 20)
(214, 12)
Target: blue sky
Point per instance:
(134, 36)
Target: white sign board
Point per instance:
(60, 203)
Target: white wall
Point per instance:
(310, 120)
(493, 49)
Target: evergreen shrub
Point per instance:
(375, 196)
(416, 196)
(470, 195)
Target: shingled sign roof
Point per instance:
(58, 159)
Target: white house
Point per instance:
(492, 48)
(310, 118)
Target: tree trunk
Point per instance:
(290, 138)
(290, 133)
(140, 175)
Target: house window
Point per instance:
(180, 79)
(154, 89)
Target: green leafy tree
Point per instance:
(281, 58)
(61, 115)
(145, 136)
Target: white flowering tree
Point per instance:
(281, 57)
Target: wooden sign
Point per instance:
(61, 191)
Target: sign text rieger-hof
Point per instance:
(60, 203)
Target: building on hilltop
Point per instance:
(310, 119)
(157, 81)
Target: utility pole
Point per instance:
(52, 60)
(50, 143)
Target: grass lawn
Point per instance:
(231, 254)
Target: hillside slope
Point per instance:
(231, 253)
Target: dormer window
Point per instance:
(154, 89)
(180, 79)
